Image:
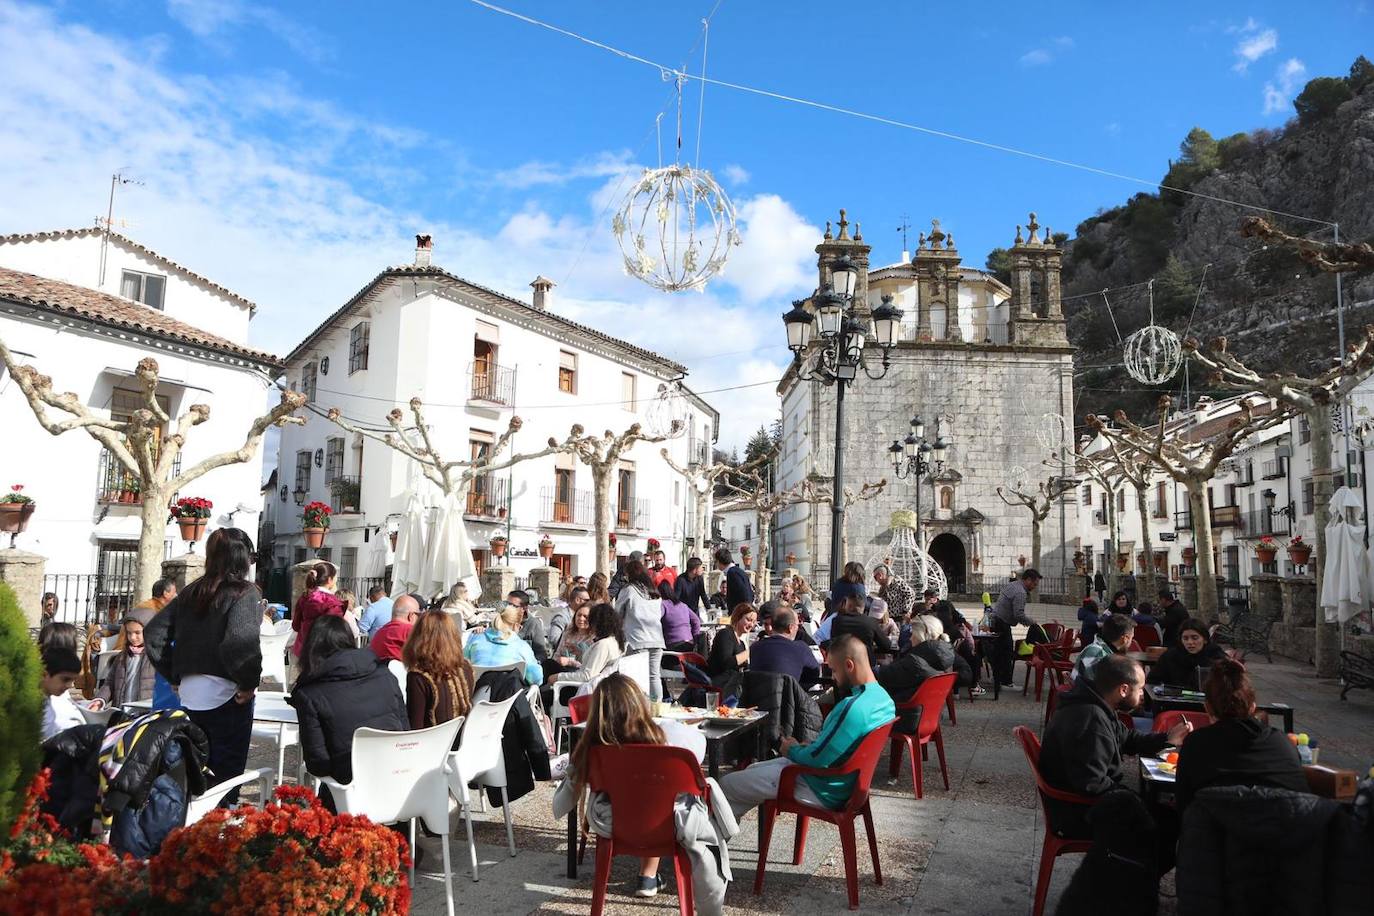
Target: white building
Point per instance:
(476, 357)
(88, 332)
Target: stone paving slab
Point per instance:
(969, 851)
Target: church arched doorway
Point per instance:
(948, 551)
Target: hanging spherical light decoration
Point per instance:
(675, 228)
(1053, 432)
(1017, 478)
(1153, 355)
(666, 414)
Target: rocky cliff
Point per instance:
(1208, 281)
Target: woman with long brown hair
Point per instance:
(318, 600)
(439, 680)
(598, 589)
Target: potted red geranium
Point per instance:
(546, 547)
(1267, 549)
(498, 545)
(1299, 551)
(314, 523)
(15, 509)
(192, 514)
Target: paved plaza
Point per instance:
(967, 851)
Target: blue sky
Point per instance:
(290, 152)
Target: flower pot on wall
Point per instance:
(14, 517)
(1300, 555)
(314, 537)
(546, 550)
(498, 547)
(1266, 556)
(192, 529)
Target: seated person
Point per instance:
(620, 714)
(1236, 749)
(532, 628)
(500, 645)
(680, 623)
(341, 688)
(729, 652)
(1083, 743)
(782, 653)
(1113, 638)
(1178, 666)
(604, 652)
(958, 631)
(867, 707)
(389, 640)
(131, 675)
(439, 681)
(1089, 617)
(930, 655)
(1144, 617)
(61, 668)
(852, 621)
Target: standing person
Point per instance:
(1100, 586)
(850, 582)
(661, 571)
(388, 643)
(729, 651)
(1009, 610)
(1174, 615)
(1129, 587)
(893, 589)
(691, 586)
(439, 680)
(206, 644)
(1179, 665)
(164, 590)
(621, 577)
(500, 645)
(318, 600)
(597, 592)
(131, 675)
(641, 609)
(341, 688)
(738, 589)
(377, 614)
(47, 605)
(866, 707)
(680, 623)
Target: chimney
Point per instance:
(543, 293)
(424, 249)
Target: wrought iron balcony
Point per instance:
(1262, 522)
(489, 497)
(493, 384)
(116, 486)
(346, 494)
(574, 507)
(632, 515)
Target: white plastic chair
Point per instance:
(399, 776)
(479, 759)
(398, 671)
(202, 805)
(636, 668)
(274, 645)
(478, 670)
(284, 733)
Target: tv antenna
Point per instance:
(903, 230)
(117, 179)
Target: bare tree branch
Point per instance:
(291, 401)
(1332, 257)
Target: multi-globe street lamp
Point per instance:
(827, 343)
(916, 456)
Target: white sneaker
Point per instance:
(649, 887)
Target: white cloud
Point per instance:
(1254, 42)
(735, 174)
(1038, 57)
(1113, 129)
(256, 184)
(1279, 92)
(215, 19)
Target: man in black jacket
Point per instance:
(691, 587)
(737, 588)
(1084, 741)
(1173, 615)
(852, 620)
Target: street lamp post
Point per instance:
(827, 342)
(917, 457)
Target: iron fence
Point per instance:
(566, 508)
(345, 493)
(489, 497)
(116, 485)
(1262, 522)
(85, 598)
(492, 383)
(361, 585)
(632, 515)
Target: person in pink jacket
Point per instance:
(317, 601)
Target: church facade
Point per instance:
(987, 366)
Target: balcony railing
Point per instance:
(1263, 522)
(1272, 469)
(1226, 517)
(698, 452)
(115, 485)
(575, 508)
(997, 334)
(346, 494)
(493, 384)
(632, 515)
(489, 497)
(1183, 520)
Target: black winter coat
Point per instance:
(1236, 752)
(352, 689)
(902, 678)
(522, 742)
(73, 757)
(792, 712)
(1258, 851)
(1178, 667)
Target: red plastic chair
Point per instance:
(1171, 717)
(579, 707)
(1146, 636)
(1047, 659)
(643, 782)
(928, 698)
(1134, 647)
(1052, 700)
(1054, 846)
(697, 661)
(861, 764)
(1054, 630)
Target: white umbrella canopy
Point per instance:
(1345, 568)
(408, 569)
(374, 566)
(448, 558)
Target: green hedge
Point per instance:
(21, 708)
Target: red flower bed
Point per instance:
(291, 857)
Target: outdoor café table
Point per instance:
(1164, 698)
(1146, 659)
(717, 732)
(1156, 786)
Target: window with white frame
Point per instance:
(310, 378)
(333, 458)
(627, 392)
(303, 460)
(146, 288)
(358, 340)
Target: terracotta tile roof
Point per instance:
(141, 249)
(526, 309)
(113, 311)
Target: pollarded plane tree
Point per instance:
(703, 480)
(1192, 460)
(602, 454)
(1137, 469)
(1038, 503)
(146, 445)
(1108, 475)
(1313, 398)
(818, 492)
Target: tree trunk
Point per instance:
(761, 566)
(1113, 576)
(703, 525)
(1148, 579)
(1327, 637)
(152, 539)
(601, 507)
(1202, 540)
(1036, 522)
